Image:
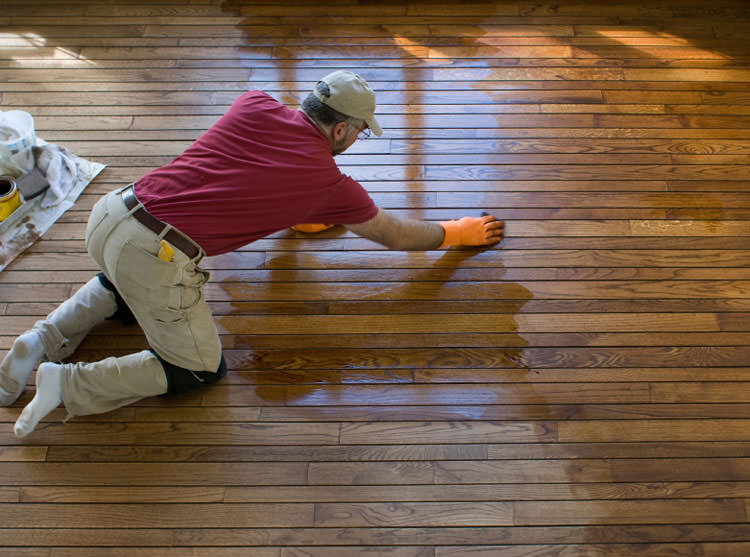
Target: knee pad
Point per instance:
(182, 380)
(123, 311)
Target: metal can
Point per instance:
(10, 197)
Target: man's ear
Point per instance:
(339, 131)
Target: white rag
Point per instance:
(60, 168)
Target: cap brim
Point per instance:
(373, 124)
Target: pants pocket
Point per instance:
(142, 277)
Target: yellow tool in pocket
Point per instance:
(166, 252)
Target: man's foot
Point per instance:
(48, 397)
(23, 357)
(309, 228)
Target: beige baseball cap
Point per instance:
(351, 95)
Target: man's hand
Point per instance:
(472, 231)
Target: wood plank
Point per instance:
(541, 358)
(381, 453)
(621, 550)
(119, 474)
(526, 513)
(217, 433)
(331, 324)
(179, 515)
(373, 536)
(597, 431)
(626, 512)
(448, 492)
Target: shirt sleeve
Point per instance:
(348, 204)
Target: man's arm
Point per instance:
(413, 234)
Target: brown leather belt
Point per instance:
(174, 236)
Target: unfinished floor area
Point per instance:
(581, 389)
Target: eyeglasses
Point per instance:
(364, 134)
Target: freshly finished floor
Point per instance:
(582, 389)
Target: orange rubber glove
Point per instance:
(472, 231)
(308, 228)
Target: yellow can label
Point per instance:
(9, 202)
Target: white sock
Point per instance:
(48, 397)
(23, 357)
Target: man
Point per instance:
(261, 168)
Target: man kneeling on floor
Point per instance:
(261, 168)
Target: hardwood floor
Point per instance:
(582, 389)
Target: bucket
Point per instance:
(17, 138)
(10, 197)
